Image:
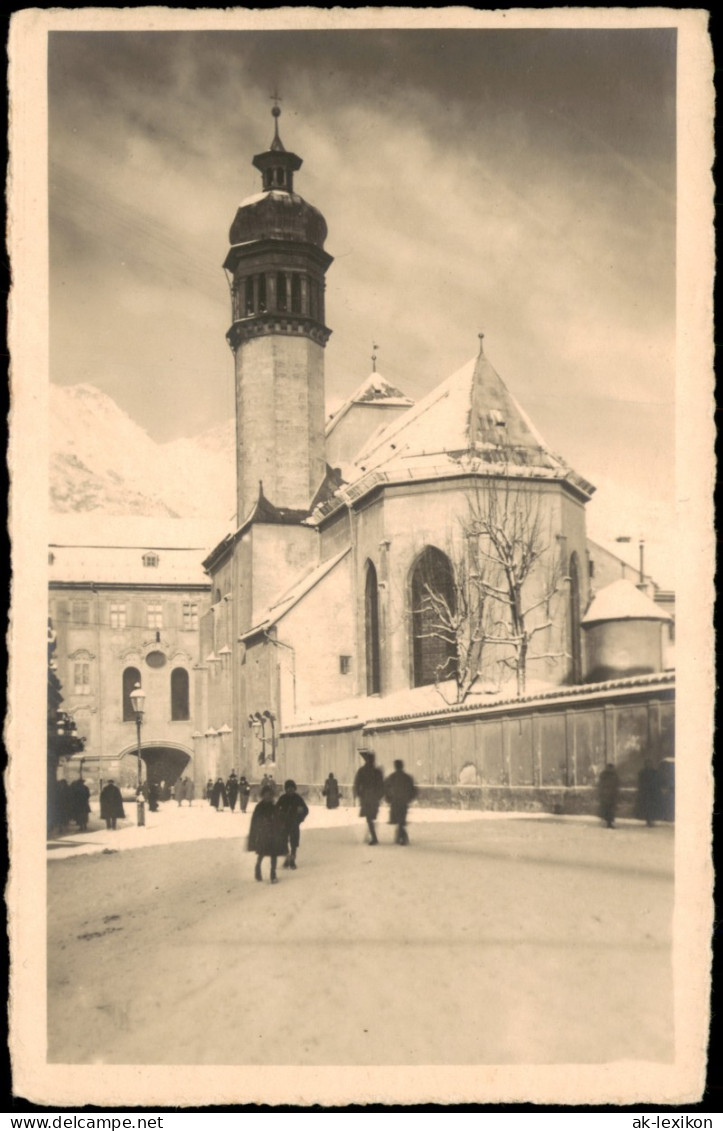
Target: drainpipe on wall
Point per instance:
(352, 542)
(282, 644)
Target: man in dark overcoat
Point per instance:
(294, 811)
(232, 790)
(369, 788)
(267, 834)
(219, 800)
(608, 787)
(647, 803)
(111, 804)
(399, 791)
(244, 791)
(80, 803)
(331, 792)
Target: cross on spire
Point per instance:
(375, 347)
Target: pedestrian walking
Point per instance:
(294, 811)
(63, 804)
(79, 795)
(179, 790)
(111, 804)
(267, 834)
(232, 790)
(399, 791)
(219, 798)
(208, 791)
(244, 791)
(153, 795)
(608, 787)
(331, 792)
(369, 788)
(647, 802)
(189, 790)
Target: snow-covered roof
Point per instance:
(375, 390)
(111, 551)
(423, 703)
(291, 597)
(621, 600)
(470, 424)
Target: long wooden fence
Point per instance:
(544, 752)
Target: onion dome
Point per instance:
(277, 212)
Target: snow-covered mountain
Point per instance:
(103, 461)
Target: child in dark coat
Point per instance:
(293, 810)
(267, 834)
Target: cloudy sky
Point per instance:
(516, 182)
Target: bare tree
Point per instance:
(498, 593)
(518, 569)
(451, 615)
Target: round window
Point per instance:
(155, 659)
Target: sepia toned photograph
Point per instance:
(364, 526)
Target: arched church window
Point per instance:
(131, 676)
(179, 695)
(574, 620)
(371, 628)
(281, 299)
(295, 294)
(262, 293)
(434, 648)
(249, 296)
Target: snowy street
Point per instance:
(491, 939)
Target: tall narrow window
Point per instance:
(154, 616)
(249, 296)
(117, 615)
(190, 616)
(179, 694)
(262, 293)
(574, 621)
(281, 298)
(434, 647)
(295, 294)
(371, 622)
(131, 676)
(81, 678)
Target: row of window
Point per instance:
(152, 614)
(279, 292)
(132, 676)
(179, 688)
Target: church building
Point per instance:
(352, 530)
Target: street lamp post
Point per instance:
(138, 699)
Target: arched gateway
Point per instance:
(162, 761)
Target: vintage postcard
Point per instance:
(361, 451)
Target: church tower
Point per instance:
(277, 265)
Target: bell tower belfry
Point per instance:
(277, 265)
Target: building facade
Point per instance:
(125, 605)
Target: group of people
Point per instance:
(71, 803)
(398, 790)
(184, 790)
(655, 799)
(224, 794)
(275, 828)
